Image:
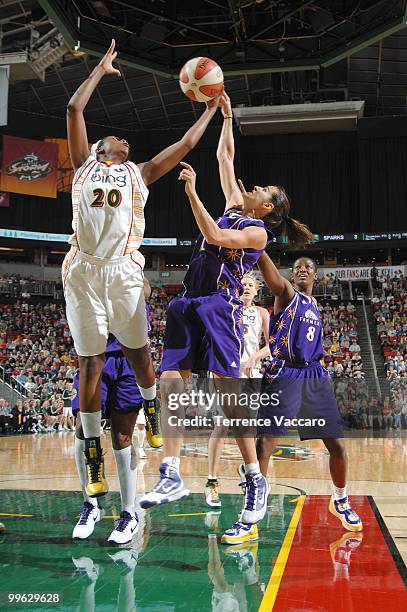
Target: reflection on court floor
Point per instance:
(303, 560)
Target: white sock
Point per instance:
(81, 469)
(339, 493)
(126, 469)
(254, 468)
(173, 461)
(150, 393)
(91, 424)
(141, 436)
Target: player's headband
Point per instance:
(94, 148)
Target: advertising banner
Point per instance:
(29, 167)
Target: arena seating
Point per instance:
(38, 359)
(390, 313)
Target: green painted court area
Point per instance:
(172, 564)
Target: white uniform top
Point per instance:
(252, 324)
(108, 209)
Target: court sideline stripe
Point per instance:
(271, 591)
(394, 551)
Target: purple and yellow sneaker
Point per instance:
(343, 510)
(240, 533)
(255, 498)
(169, 488)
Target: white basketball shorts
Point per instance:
(104, 296)
(67, 412)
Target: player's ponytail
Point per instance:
(297, 233)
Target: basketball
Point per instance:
(201, 79)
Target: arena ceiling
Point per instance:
(272, 52)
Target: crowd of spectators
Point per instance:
(38, 359)
(342, 351)
(390, 314)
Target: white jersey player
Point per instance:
(103, 271)
(256, 323)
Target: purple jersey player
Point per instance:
(122, 403)
(204, 327)
(299, 379)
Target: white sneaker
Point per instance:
(125, 529)
(169, 488)
(142, 453)
(212, 494)
(90, 515)
(86, 566)
(125, 559)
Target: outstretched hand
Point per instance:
(225, 105)
(188, 175)
(106, 63)
(214, 103)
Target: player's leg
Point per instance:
(170, 487)
(140, 360)
(90, 513)
(183, 333)
(70, 420)
(122, 428)
(288, 392)
(319, 404)
(128, 322)
(265, 446)
(256, 488)
(220, 351)
(90, 402)
(339, 503)
(140, 434)
(215, 447)
(84, 289)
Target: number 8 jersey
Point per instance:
(296, 332)
(108, 208)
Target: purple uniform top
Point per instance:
(114, 346)
(296, 332)
(214, 269)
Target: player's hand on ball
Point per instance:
(106, 63)
(188, 175)
(214, 103)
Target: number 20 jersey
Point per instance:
(296, 332)
(108, 208)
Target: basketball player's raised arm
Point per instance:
(76, 127)
(170, 157)
(251, 237)
(278, 285)
(225, 154)
(265, 324)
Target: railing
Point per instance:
(18, 289)
(369, 341)
(327, 290)
(10, 388)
